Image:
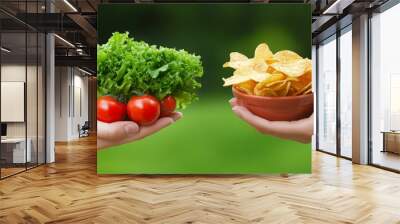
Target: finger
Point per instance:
(300, 130)
(249, 117)
(176, 116)
(116, 130)
(160, 124)
(234, 102)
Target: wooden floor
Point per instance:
(387, 159)
(5, 172)
(69, 191)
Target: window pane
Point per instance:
(327, 96)
(345, 94)
(385, 84)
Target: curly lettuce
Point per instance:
(126, 67)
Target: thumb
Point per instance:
(116, 130)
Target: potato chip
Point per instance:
(281, 87)
(275, 83)
(239, 64)
(265, 92)
(302, 81)
(271, 70)
(284, 73)
(244, 74)
(307, 92)
(262, 88)
(291, 92)
(252, 74)
(236, 56)
(273, 78)
(305, 89)
(263, 52)
(288, 85)
(294, 68)
(286, 56)
(235, 80)
(260, 65)
(247, 87)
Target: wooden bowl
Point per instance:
(283, 108)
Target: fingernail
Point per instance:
(129, 129)
(176, 116)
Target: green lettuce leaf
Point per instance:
(127, 67)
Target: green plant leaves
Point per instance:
(126, 67)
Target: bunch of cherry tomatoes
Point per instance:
(144, 110)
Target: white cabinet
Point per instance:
(17, 146)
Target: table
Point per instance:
(391, 141)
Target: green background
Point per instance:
(209, 138)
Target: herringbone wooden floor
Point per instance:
(69, 191)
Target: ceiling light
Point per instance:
(333, 6)
(70, 5)
(84, 71)
(5, 50)
(337, 7)
(65, 41)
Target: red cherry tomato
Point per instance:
(143, 110)
(110, 110)
(168, 105)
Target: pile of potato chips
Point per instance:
(284, 73)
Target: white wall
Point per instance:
(70, 83)
(61, 103)
(14, 72)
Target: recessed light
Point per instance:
(70, 5)
(337, 7)
(84, 71)
(64, 40)
(5, 50)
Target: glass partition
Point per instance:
(22, 67)
(31, 97)
(13, 94)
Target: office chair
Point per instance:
(84, 130)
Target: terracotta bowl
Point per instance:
(284, 108)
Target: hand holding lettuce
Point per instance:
(141, 83)
(146, 76)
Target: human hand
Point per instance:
(300, 130)
(121, 132)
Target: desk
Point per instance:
(16, 147)
(391, 141)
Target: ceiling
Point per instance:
(74, 21)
